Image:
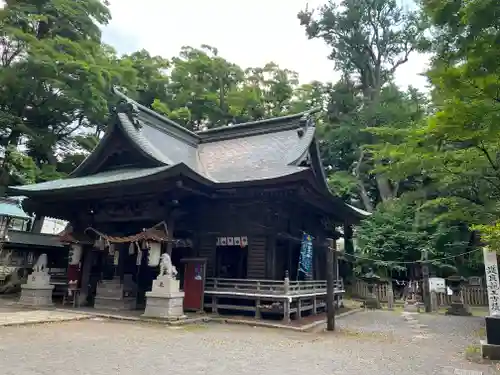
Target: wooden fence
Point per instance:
(472, 295)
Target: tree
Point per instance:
(55, 76)
(369, 41)
(395, 236)
(343, 133)
(455, 149)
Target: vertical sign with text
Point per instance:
(306, 255)
(492, 280)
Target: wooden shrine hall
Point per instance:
(235, 202)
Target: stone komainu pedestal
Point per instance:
(37, 292)
(115, 295)
(490, 348)
(165, 300)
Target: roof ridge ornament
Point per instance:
(129, 108)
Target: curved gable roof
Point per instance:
(264, 149)
(254, 151)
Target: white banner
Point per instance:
(492, 280)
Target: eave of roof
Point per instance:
(11, 208)
(238, 154)
(178, 128)
(265, 126)
(107, 179)
(16, 237)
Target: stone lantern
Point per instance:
(371, 280)
(457, 306)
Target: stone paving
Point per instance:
(371, 342)
(14, 317)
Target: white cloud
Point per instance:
(247, 33)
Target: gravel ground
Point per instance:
(375, 343)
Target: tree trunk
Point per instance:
(384, 188)
(362, 190)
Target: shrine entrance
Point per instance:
(231, 262)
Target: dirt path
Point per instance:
(375, 343)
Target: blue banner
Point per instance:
(306, 255)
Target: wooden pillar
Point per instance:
(290, 266)
(330, 281)
(348, 249)
(271, 257)
(316, 266)
(37, 224)
(171, 229)
(336, 276)
(214, 305)
(122, 254)
(286, 302)
(88, 259)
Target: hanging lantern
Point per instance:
(154, 254)
(139, 258)
(244, 241)
(99, 243)
(340, 245)
(30, 258)
(116, 258)
(112, 249)
(131, 249)
(75, 254)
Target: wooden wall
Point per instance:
(256, 266)
(267, 257)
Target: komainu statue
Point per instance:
(41, 264)
(166, 266)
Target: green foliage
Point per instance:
(56, 77)
(428, 167)
(398, 233)
(343, 184)
(455, 149)
(369, 40)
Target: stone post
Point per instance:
(490, 348)
(434, 302)
(390, 296)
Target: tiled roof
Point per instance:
(96, 179)
(33, 239)
(12, 208)
(242, 153)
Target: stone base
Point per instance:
(372, 303)
(115, 304)
(113, 295)
(412, 306)
(38, 279)
(165, 285)
(36, 295)
(164, 306)
(458, 309)
(490, 351)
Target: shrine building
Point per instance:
(231, 205)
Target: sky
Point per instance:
(248, 33)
